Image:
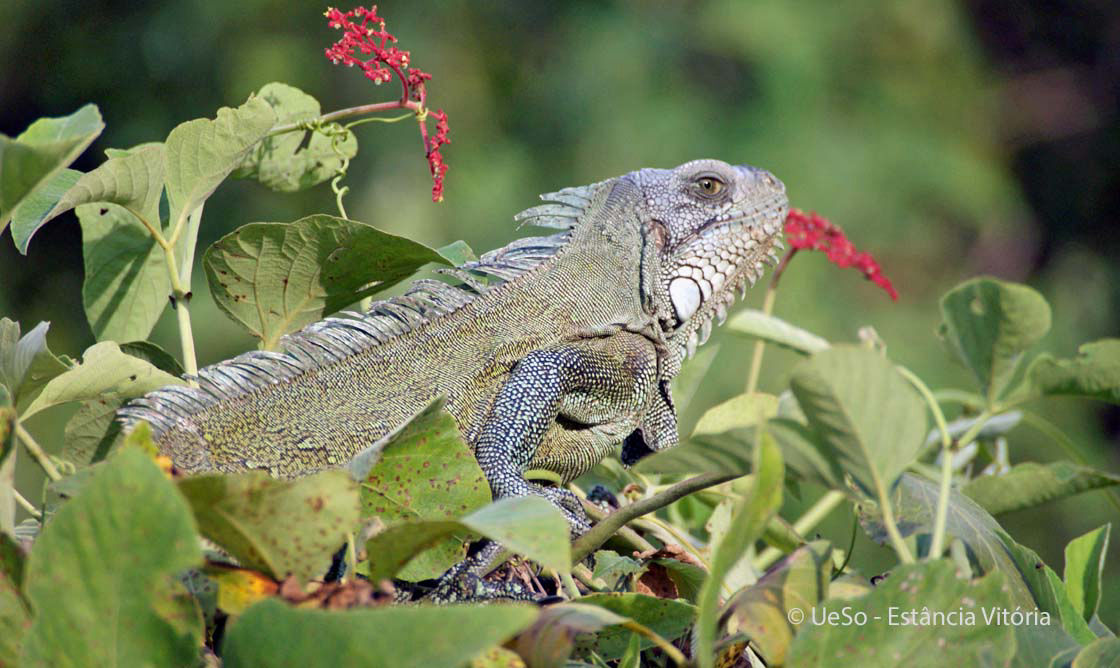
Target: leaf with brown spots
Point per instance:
(279, 527)
(425, 472)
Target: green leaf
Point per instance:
(762, 611)
(910, 588)
(807, 454)
(36, 156)
(1031, 484)
(750, 519)
(126, 285)
(274, 278)
(26, 364)
(93, 432)
(134, 181)
(293, 161)
(104, 370)
(1084, 566)
(1047, 590)
(15, 616)
(722, 442)
(1094, 373)
(279, 527)
(199, 155)
(873, 421)
(612, 567)
(156, 356)
(665, 617)
(272, 633)
(1101, 653)
(102, 575)
(425, 472)
(988, 324)
(769, 328)
(530, 526)
(38, 208)
(550, 640)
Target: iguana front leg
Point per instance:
(606, 380)
(597, 381)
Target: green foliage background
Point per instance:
(889, 118)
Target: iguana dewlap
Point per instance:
(550, 352)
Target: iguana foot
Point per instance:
(464, 582)
(568, 504)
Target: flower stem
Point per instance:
(348, 112)
(36, 451)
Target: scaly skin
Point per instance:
(551, 369)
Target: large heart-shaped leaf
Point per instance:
(274, 278)
(988, 324)
(40, 152)
(101, 578)
(273, 634)
(872, 419)
(133, 180)
(280, 527)
(199, 155)
(293, 160)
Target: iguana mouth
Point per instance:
(721, 259)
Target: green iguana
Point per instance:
(550, 351)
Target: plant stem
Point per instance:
(611, 524)
(946, 478)
(36, 451)
(899, 545)
(664, 645)
(180, 300)
(348, 112)
(804, 524)
(568, 584)
(26, 505)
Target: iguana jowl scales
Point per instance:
(551, 351)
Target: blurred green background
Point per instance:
(948, 138)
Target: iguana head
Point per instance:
(715, 225)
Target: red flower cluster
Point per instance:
(368, 37)
(435, 158)
(812, 232)
(364, 34)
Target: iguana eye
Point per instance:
(709, 186)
